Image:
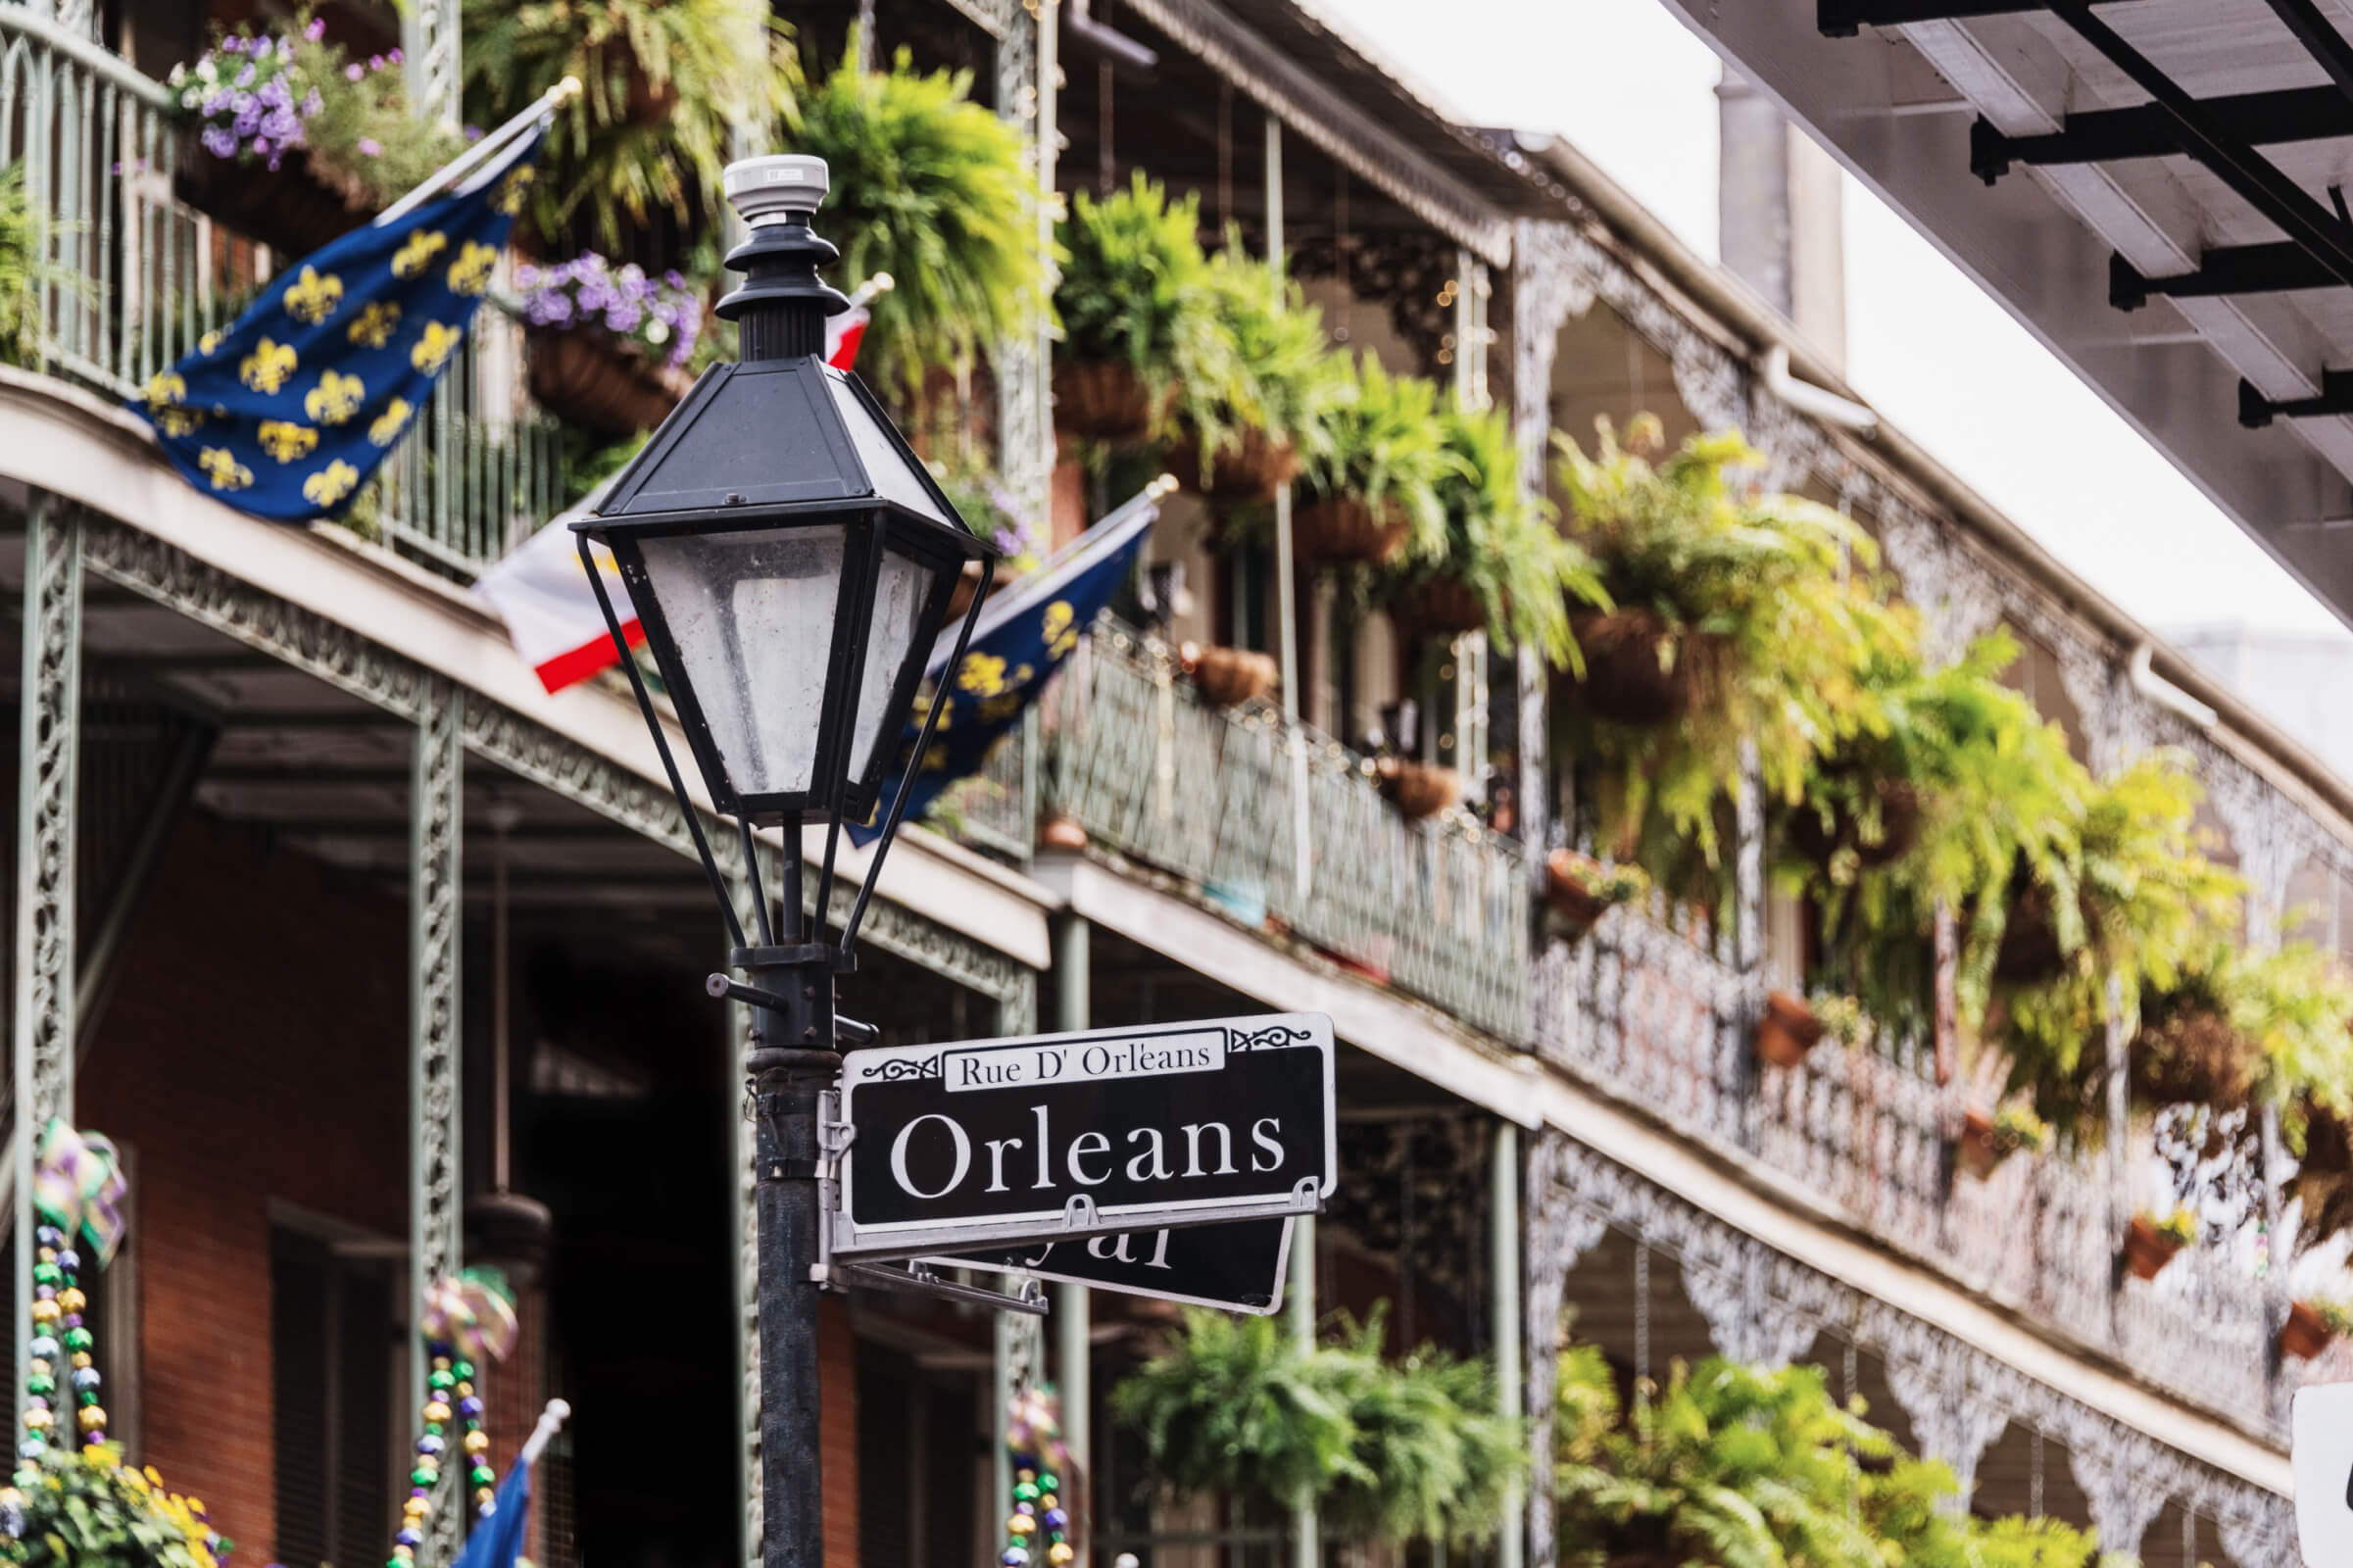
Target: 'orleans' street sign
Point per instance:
(1004, 1142)
(1238, 1265)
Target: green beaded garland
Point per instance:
(421, 1477)
(441, 1379)
(47, 1274)
(1026, 1492)
(464, 1370)
(77, 1338)
(1048, 1482)
(483, 1476)
(42, 1386)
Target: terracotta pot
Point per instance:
(293, 211)
(589, 379)
(1247, 468)
(1340, 531)
(1231, 676)
(1625, 679)
(2147, 1250)
(2305, 1334)
(1439, 606)
(1574, 911)
(1417, 789)
(1061, 831)
(1102, 402)
(1981, 1155)
(1899, 827)
(1787, 1031)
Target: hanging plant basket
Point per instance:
(1228, 677)
(1638, 670)
(2147, 1250)
(1898, 824)
(1061, 831)
(293, 210)
(1578, 894)
(1343, 530)
(1417, 789)
(2305, 1334)
(1102, 401)
(1787, 1031)
(587, 378)
(1439, 606)
(1251, 467)
(1980, 1150)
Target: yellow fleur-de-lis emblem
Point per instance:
(387, 426)
(373, 328)
(312, 296)
(981, 674)
(208, 342)
(174, 421)
(1061, 634)
(270, 366)
(434, 348)
(222, 468)
(164, 387)
(417, 255)
(335, 399)
(512, 189)
(330, 484)
(285, 440)
(469, 274)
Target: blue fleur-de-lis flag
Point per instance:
(286, 412)
(1021, 640)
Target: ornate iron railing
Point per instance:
(1656, 1018)
(129, 279)
(1280, 827)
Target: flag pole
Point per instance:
(550, 1419)
(481, 152)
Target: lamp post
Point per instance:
(790, 562)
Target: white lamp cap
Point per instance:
(762, 190)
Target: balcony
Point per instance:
(134, 278)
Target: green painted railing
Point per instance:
(1280, 827)
(132, 279)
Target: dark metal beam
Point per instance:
(2149, 130)
(2255, 411)
(1843, 18)
(2259, 183)
(2319, 38)
(2273, 269)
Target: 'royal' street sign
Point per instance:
(1238, 1265)
(1004, 1142)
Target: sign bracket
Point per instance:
(921, 1280)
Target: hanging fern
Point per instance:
(933, 189)
(1135, 290)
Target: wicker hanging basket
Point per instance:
(590, 379)
(1249, 467)
(1228, 677)
(1102, 401)
(294, 209)
(1343, 530)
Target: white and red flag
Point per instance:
(540, 592)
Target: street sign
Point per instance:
(2321, 1458)
(1236, 1266)
(1004, 1143)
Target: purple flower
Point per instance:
(371, 147)
(674, 278)
(274, 94)
(394, 57)
(233, 46)
(353, 73)
(312, 103)
(219, 141)
(261, 145)
(527, 277)
(247, 124)
(375, 62)
(245, 77)
(624, 319)
(280, 125)
(316, 29)
(473, 133)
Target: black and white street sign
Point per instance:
(1236, 1266)
(2321, 1457)
(1001, 1143)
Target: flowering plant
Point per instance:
(87, 1508)
(249, 96)
(662, 315)
(996, 514)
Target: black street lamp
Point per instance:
(791, 562)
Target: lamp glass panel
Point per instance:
(752, 617)
(904, 585)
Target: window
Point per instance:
(335, 1346)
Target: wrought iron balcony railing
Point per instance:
(129, 279)
(1280, 827)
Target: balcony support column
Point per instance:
(1026, 73)
(48, 756)
(436, 885)
(1505, 1307)
(1072, 1306)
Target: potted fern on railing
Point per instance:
(1138, 315)
(934, 190)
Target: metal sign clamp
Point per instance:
(840, 1243)
(920, 1280)
(834, 1138)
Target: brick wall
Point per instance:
(254, 1046)
(837, 1446)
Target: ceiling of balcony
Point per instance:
(1928, 112)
